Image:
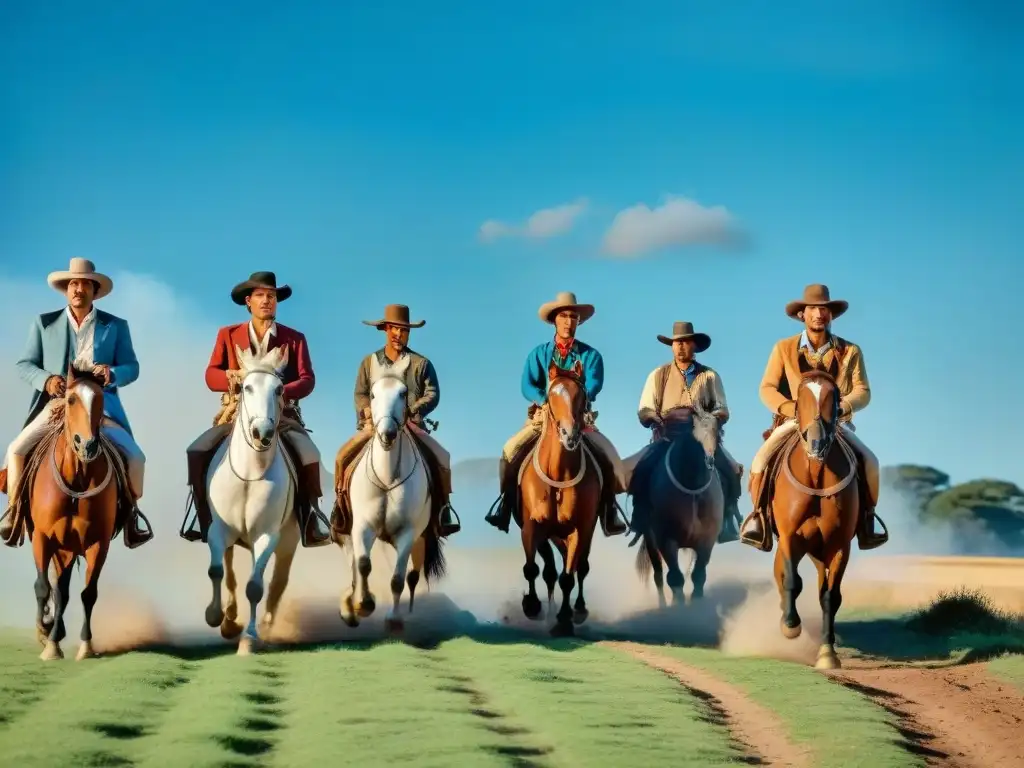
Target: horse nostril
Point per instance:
(265, 441)
(78, 439)
(255, 434)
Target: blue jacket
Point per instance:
(48, 352)
(535, 372)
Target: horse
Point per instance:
(251, 487)
(686, 501)
(560, 500)
(391, 501)
(815, 504)
(71, 486)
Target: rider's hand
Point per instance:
(55, 386)
(788, 409)
(103, 371)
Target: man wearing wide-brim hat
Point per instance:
(91, 340)
(423, 393)
(814, 347)
(260, 295)
(674, 392)
(566, 314)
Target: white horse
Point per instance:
(251, 491)
(390, 500)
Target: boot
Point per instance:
(341, 516)
(611, 522)
(11, 477)
(755, 530)
(197, 463)
(500, 514)
(448, 519)
(730, 523)
(312, 534)
(134, 535)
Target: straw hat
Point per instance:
(565, 300)
(81, 269)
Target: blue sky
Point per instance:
(357, 152)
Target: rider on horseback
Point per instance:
(92, 340)
(819, 348)
(422, 396)
(565, 350)
(260, 294)
(682, 384)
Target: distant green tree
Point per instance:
(918, 483)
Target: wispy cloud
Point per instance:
(639, 230)
(545, 223)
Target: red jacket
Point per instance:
(298, 376)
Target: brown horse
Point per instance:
(814, 503)
(71, 489)
(560, 494)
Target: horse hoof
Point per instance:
(51, 652)
(246, 646)
(697, 594)
(229, 630)
(395, 625)
(85, 651)
(366, 607)
(348, 612)
(580, 615)
(563, 629)
(531, 607)
(790, 633)
(214, 615)
(827, 659)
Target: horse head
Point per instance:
(261, 400)
(567, 402)
(817, 412)
(707, 431)
(83, 413)
(388, 406)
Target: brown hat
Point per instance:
(817, 295)
(81, 269)
(395, 314)
(682, 330)
(565, 300)
(259, 280)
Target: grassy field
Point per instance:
(489, 698)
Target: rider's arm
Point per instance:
(362, 391)
(431, 392)
(773, 373)
(125, 369)
(716, 396)
(860, 394)
(217, 368)
(645, 411)
(30, 364)
(535, 376)
(303, 385)
(593, 373)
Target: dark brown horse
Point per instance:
(71, 490)
(560, 494)
(814, 503)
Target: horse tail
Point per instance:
(434, 564)
(644, 566)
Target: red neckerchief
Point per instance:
(564, 347)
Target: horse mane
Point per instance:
(818, 374)
(80, 374)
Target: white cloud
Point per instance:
(678, 221)
(545, 223)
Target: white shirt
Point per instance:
(261, 347)
(85, 336)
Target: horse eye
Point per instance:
(248, 388)
(71, 400)
(279, 390)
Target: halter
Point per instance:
(847, 452)
(402, 437)
(243, 410)
(587, 454)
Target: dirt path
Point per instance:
(955, 716)
(758, 730)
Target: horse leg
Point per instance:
(403, 549)
(670, 552)
(567, 581)
(656, 570)
(831, 599)
(284, 556)
(580, 612)
(699, 574)
(347, 608)
(95, 558)
(43, 557)
(419, 555)
(790, 585)
(262, 550)
(52, 650)
(230, 628)
(531, 602)
(550, 572)
(216, 542)
(362, 544)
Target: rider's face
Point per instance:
(398, 337)
(565, 324)
(817, 319)
(80, 293)
(262, 303)
(683, 350)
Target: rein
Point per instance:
(241, 418)
(372, 470)
(820, 492)
(58, 479)
(563, 484)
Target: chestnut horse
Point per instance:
(814, 503)
(71, 488)
(560, 494)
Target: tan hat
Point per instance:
(565, 300)
(817, 295)
(683, 330)
(81, 269)
(395, 314)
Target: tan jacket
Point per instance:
(423, 392)
(782, 375)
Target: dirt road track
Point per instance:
(955, 716)
(759, 731)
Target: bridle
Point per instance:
(244, 419)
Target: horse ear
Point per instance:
(833, 368)
(552, 372)
(577, 368)
(282, 362)
(244, 357)
(803, 364)
(399, 368)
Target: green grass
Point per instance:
(841, 727)
(1009, 668)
